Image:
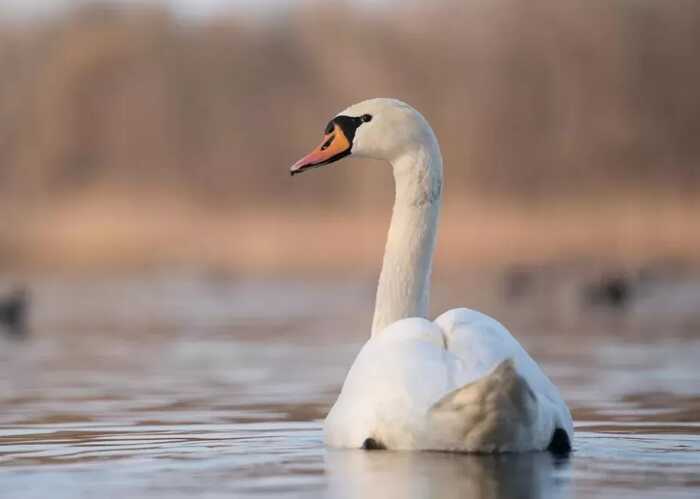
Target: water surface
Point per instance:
(189, 386)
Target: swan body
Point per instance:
(460, 383)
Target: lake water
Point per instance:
(215, 387)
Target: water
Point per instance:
(192, 386)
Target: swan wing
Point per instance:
(493, 364)
(494, 413)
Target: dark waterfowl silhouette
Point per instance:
(612, 290)
(13, 311)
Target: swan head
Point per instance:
(379, 128)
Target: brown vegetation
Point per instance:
(129, 136)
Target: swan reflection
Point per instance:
(355, 473)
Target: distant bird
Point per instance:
(460, 383)
(615, 291)
(517, 282)
(13, 311)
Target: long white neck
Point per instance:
(404, 283)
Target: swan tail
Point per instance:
(492, 414)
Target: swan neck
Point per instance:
(404, 282)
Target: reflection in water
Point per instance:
(424, 475)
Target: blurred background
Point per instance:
(137, 135)
(190, 311)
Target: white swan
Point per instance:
(460, 383)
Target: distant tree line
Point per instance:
(529, 99)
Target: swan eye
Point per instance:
(366, 117)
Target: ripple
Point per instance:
(223, 401)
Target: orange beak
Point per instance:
(335, 146)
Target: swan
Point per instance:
(460, 383)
